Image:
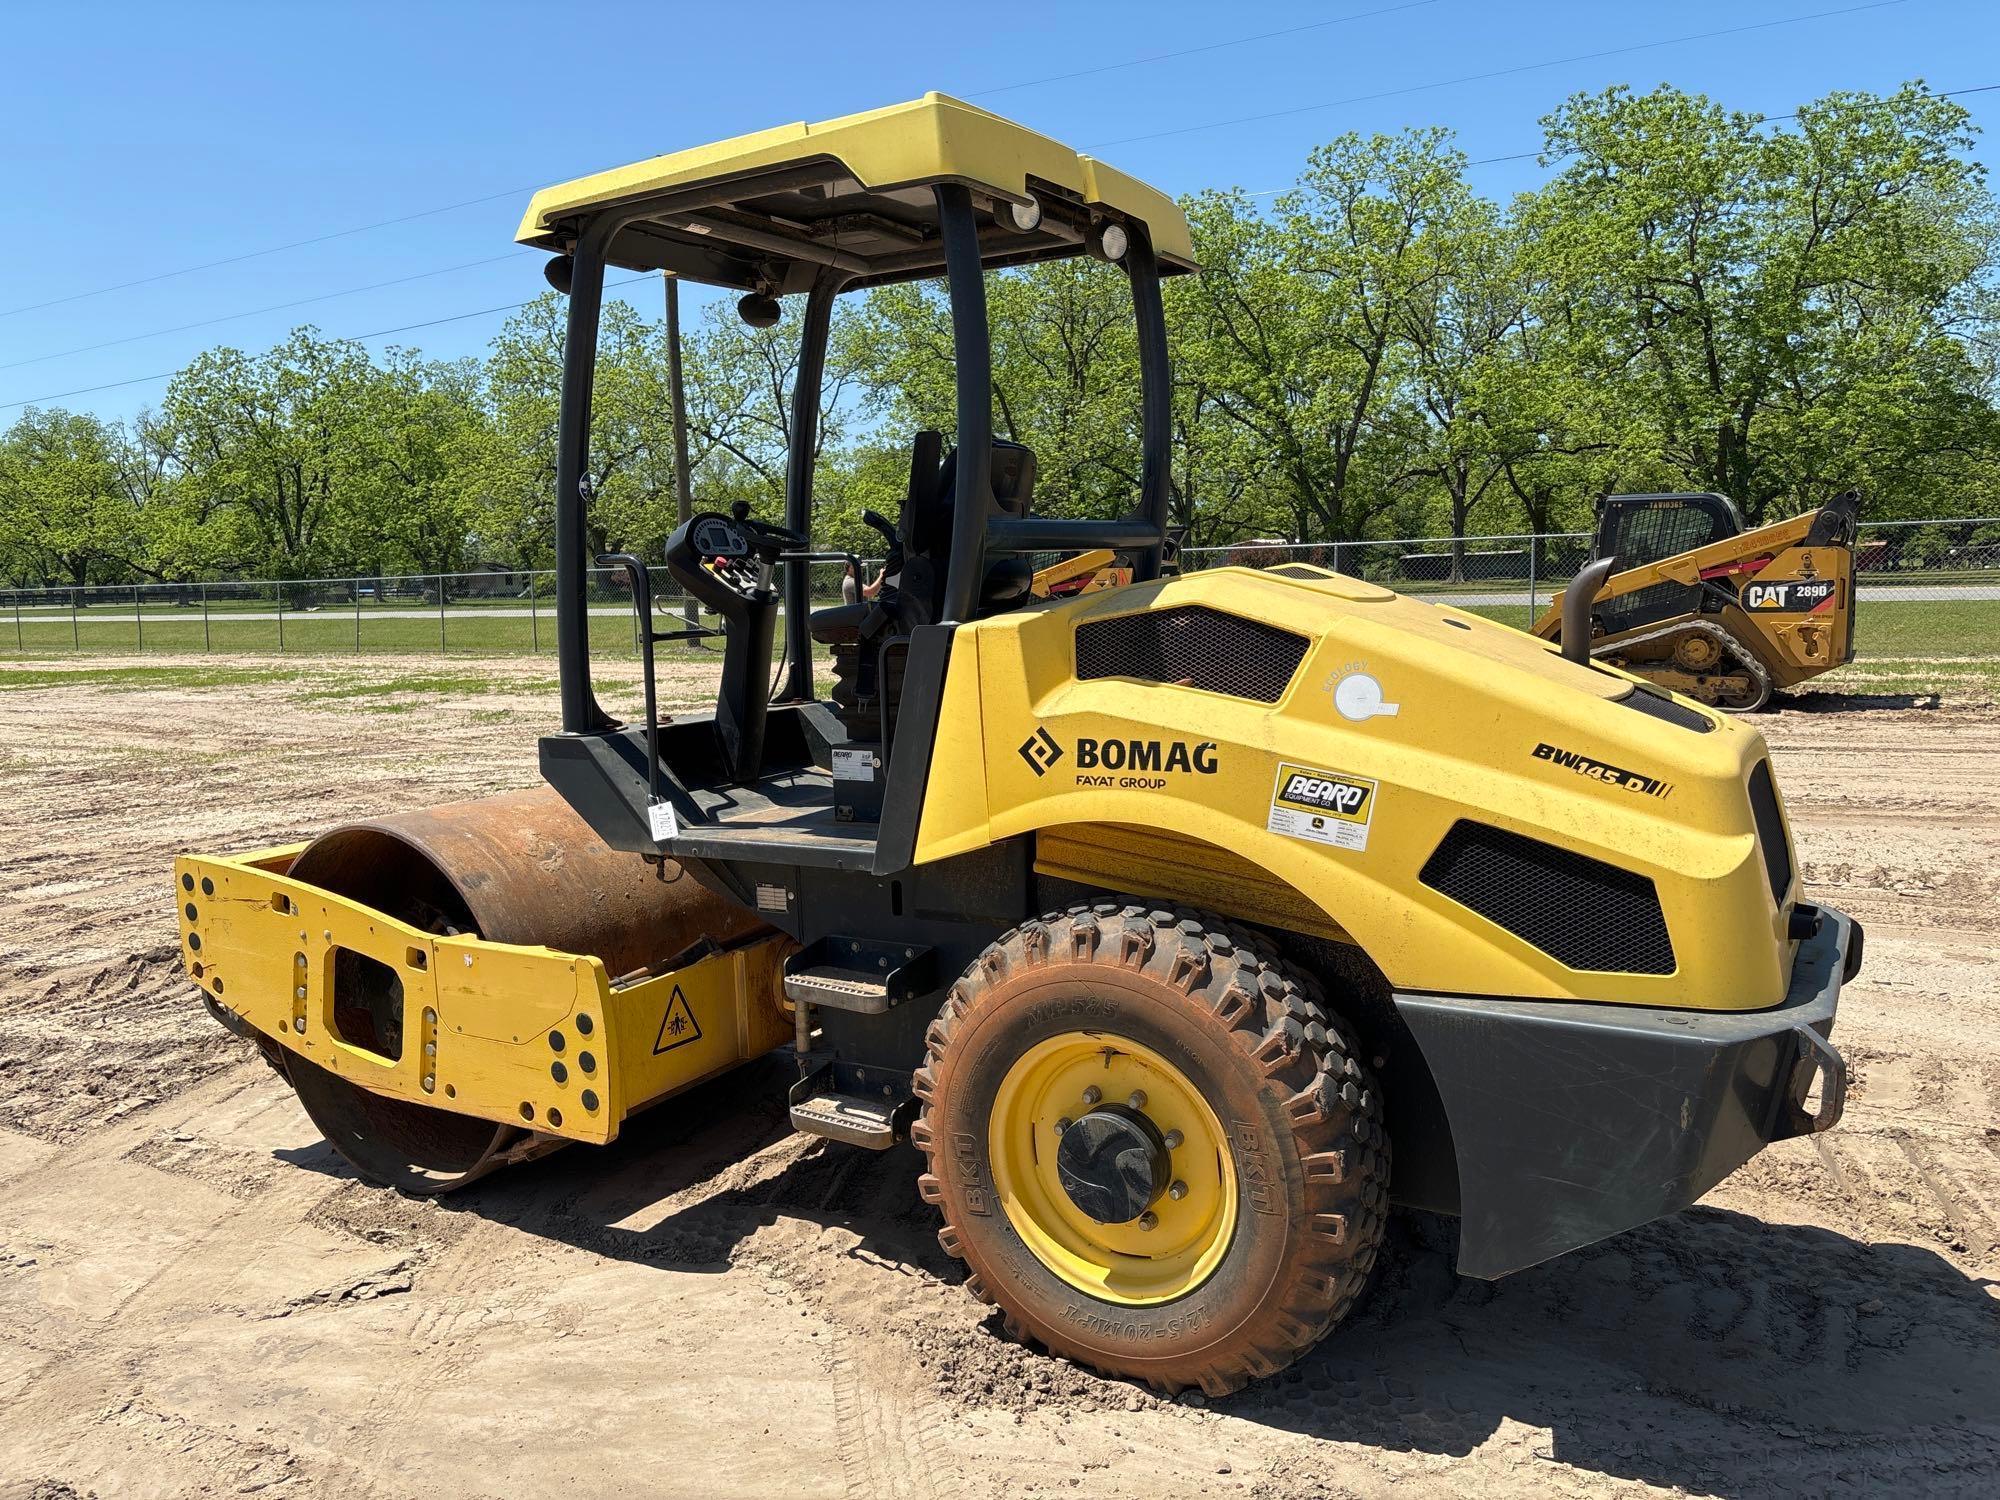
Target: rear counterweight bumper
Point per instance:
(1572, 1121)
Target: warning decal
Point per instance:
(1327, 807)
(678, 1026)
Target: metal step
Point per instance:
(858, 974)
(847, 1117)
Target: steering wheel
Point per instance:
(739, 551)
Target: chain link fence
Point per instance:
(1924, 589)
(490, 612)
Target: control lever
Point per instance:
(875, 519)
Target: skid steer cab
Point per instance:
(1182, 923)
(1700, 606)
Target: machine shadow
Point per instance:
(1710, 1351)
(1826, 702)
(682, 1186)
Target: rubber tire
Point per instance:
(1255, 1037)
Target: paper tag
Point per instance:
(660, 818)
(853, 765)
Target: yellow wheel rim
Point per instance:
(1134, 1263)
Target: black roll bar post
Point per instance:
(972, 353)
(581, 713)
(799, 457)
(1156, 396)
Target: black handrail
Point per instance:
(640, 580)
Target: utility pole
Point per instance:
(683, 481)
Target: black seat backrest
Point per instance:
(928, 521)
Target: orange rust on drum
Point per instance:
(522, 867)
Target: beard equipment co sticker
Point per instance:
(1327, 807)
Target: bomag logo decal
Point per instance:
(1324, 807)
(1040, 751)
(1597, 770)
(1790, 598)
(1146, 755)
(1133, 764)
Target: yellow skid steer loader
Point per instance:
(1720, 614)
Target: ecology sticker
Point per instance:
(1327, 807)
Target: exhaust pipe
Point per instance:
(1577, 599)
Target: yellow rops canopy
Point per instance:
(768, 211)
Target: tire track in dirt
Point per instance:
(1825, 1322)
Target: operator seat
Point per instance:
(913, 587)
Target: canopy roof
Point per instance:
(768, 210)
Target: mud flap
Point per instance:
(1573, 1121)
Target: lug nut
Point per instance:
(430, 1016)
(1177, 1191)
(1092, 1094)
(1174, 1139)
(300, 992)
(299, 1023)
(1063, 1124)
(1137, 1098)
(1149, 1220)
(430, 1082)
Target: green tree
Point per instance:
(279, 442)
(65, 512)
(1782, 306)
(423, 449)
(1299, 320)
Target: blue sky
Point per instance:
(140, 139)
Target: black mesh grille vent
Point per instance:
(1578, 910)
(1660, 706)
(1195, 646)
(1770, 830)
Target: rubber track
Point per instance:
(1279, 1016)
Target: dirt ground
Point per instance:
(197, 1298)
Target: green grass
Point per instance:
(1925, 627)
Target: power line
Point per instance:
(1487, 161)
(1240, 41)
(427, 213)
(352, 338)
(373, 286)
(1137, 62)
(1553, 62)
(231, 260)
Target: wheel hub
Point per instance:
(1113, 1168)
(1113, 1163)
